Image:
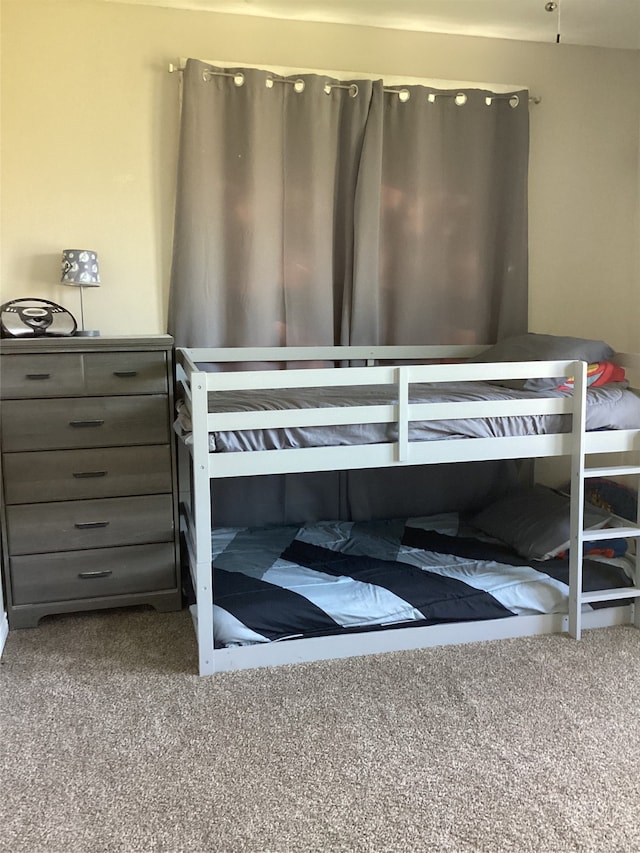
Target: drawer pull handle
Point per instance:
(91, 525)
(125, 374)
(90, 575)
(38, 376)
(95, 423)
(85, 475)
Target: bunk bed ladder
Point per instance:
(579, 536)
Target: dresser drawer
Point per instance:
(75, 525)
(84, 422)
(88, 574)
(116, 373)
(65, 475)
(37, 375)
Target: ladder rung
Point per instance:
(610, 594)
(610, 533)
(613, 471)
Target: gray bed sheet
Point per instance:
(612, 406)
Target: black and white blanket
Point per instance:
(280, 583)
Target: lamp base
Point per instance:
(87, 333)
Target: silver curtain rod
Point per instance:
(403, 93)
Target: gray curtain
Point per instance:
(311, 211)
(441, 219)
(264, 215)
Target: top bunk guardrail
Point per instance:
(200, 384)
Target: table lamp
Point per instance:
(80, 269)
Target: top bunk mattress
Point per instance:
(609, 407)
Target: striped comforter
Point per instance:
(277, 583)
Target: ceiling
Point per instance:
(603, 23)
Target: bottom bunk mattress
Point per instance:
(279, 583)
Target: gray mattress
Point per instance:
(612, 406)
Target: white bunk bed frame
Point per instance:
(198, 466)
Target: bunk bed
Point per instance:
(247, 412)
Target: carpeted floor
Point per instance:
(110, 742)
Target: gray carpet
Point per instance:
(110, 742)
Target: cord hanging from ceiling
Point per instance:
(554, 6)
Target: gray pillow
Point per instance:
(535, 521)
(535, 347)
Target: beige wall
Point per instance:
(89, 141)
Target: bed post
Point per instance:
(576, 546)
(201, 509)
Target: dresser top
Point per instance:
(102, 343)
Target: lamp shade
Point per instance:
(80, 268)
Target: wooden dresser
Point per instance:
(89, 500)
